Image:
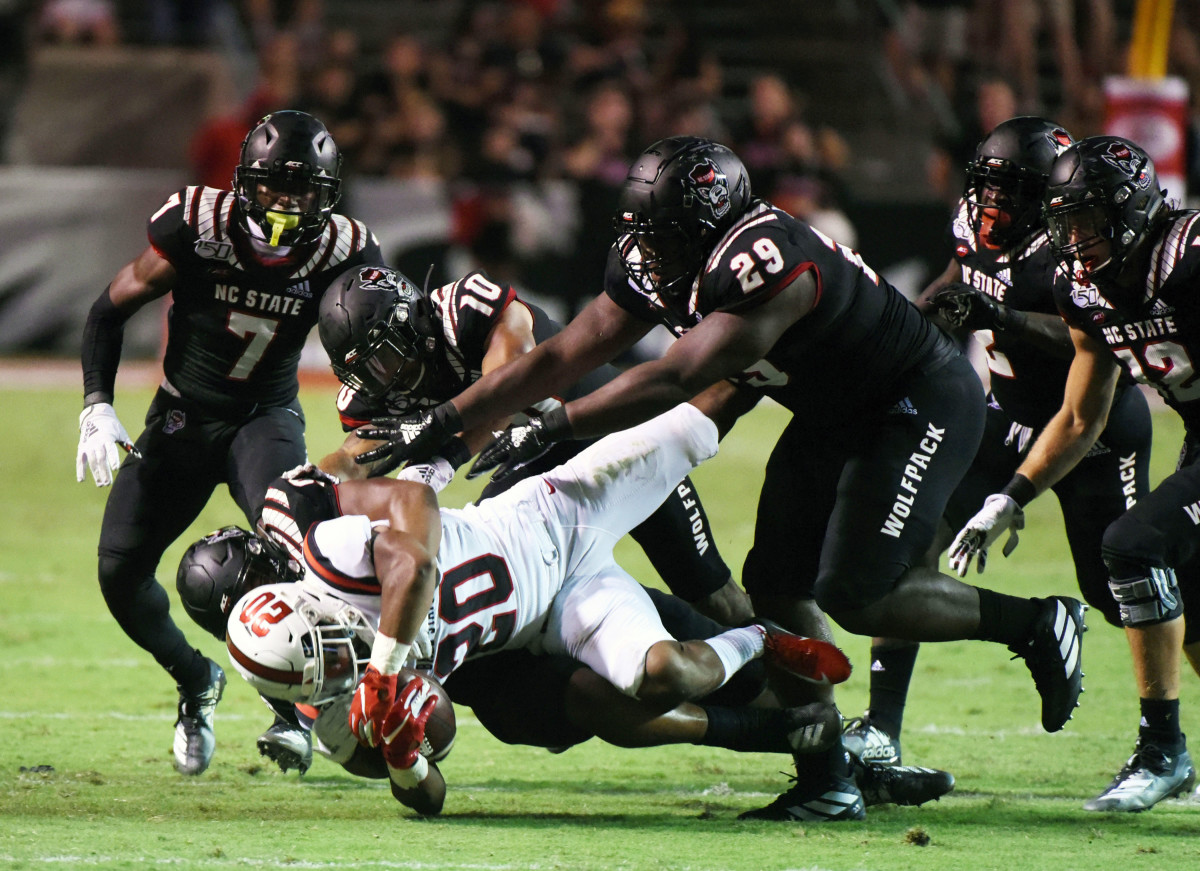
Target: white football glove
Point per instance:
(436, 474)
(999, 513)
(99, 434)
(310, 472)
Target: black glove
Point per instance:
(966, 308)
(411, 438)
(518, 444)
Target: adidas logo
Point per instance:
(1158, 307)
(904, 406)
(877, 666)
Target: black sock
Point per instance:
(817, 767)
(192, 674)
(891, 671)
(1006, 619)
(1160, 724)
(748, 730)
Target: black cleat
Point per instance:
(832, 800)
(868, 742)
(1053, 657)
(900, 784)
(1148, 777)
(287, 744)
(195, 742)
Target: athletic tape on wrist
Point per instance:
(407, 778)
(388, 654)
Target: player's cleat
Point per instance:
(286, 744)
(1147, 778)
(831, 800)
(900, 784)
(807, 658)
(813, 728)
(1053, 656)
(194, 738)
(866, 741)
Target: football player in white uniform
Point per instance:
(532, 569)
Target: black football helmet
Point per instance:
(289, 153)
(380, 332)
(1007, 179)
(219, 568)
(679, 198)
(1102, 203)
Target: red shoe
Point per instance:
(809, 659)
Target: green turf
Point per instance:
(80, 697)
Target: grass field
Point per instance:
(80, 698)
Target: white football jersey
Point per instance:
(533, 567)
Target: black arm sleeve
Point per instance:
(103, 335)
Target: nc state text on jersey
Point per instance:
(1151, 328)
(257, 300)
(981, 281)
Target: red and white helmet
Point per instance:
(297, 645)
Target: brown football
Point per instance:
(440, 728)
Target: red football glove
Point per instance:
(373, 698)
(404, 726)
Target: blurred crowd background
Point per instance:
(495, 133)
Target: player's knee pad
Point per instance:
(1146, 594)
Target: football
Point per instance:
(440, 728)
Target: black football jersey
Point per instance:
(1027, 382)
(292, 506)
(237, 323)
(468, 310)
(1155, 334)
(844, 355)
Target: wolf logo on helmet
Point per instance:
(709, 187)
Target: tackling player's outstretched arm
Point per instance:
(511, 338)
(720, 346)
(594, 337)
(147, 277)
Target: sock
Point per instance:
(746, 730)
(1160, 724)
(819, 767)
(192, 675)
(891, 670)
(1006, 619)
(736, 647)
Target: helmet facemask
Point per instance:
(1003, 202)
(1082, 235)
(663, 260)
(287, 206)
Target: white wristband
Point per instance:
(388, 654)
(407, 778)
